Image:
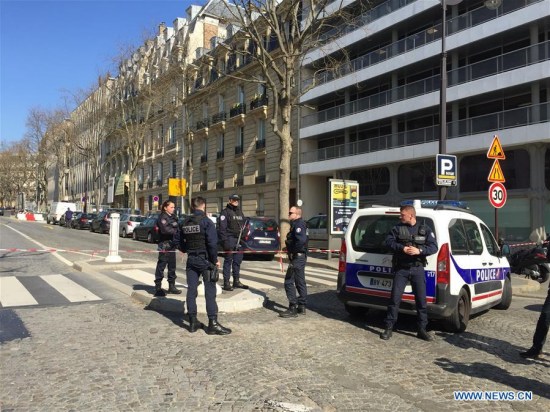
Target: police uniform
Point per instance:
(295, 280)
(230, 226)
(198, 238)
(168, 227)
(409, 268)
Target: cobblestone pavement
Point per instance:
(117, 356)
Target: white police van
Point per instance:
(467, 275)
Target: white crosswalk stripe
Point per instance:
(45, 289)
(257, 278)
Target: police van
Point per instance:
(467, 275)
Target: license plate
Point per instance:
(380, 283)
(265, 242)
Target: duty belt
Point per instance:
(295, 255)
(194, 253)
(409, 265)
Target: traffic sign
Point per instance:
(155, 198)
(496, 174)
(497, 195)
(446, 170)
(495, 150)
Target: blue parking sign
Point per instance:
(446, 170)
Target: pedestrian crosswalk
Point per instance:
(58, 289)
(42, 290)
(257, 278)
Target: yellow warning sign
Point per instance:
(496, 151)
(496, 175)
(177, 187)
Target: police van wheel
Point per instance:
(506, 295)
(458, 320)
(355, 311)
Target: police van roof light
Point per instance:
(430, 203)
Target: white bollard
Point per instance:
(113, 256)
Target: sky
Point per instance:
(50, 49)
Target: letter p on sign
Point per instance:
(446, 172)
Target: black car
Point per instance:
(82, 220)
(101, 223)
(261, 235)
(147, 230)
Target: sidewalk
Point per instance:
(239, 300)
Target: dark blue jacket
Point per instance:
(296, 239)
(210, 234)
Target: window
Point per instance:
(221, 103)
(516, 168)
(150, 175)
(204, 144)
(260, 210)
(159, 172)
(417, 177)
(173, 171)
(457, 236)
(240, 94)
(547, 169)
(140, 175)
(160, 137)
(261, 130)
(172, 136)
(370, 232)
(204, 180)
(221, 143)
(490, 242)
(240, 137)
(375, 181)
(205, 110)
(261, 167)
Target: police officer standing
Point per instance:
(410, 243)
(230, 227)
(168, 226)
(295, 279)
(197, 237)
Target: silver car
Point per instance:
(128, 223)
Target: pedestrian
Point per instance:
(541, 331)
(198, 238)
(411, 243)
(230, 226)
(167, 224)
(68, 217)
(295, 278)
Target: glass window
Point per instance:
(490, 242)
(457, 236)
(313, 223)
(261, 130)
(475, 246)
(417, 177)
(375, 181)
(516, 169)
(514, 219)
(547, 172)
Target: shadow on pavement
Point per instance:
(495, 374)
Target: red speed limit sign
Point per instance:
(497, 195)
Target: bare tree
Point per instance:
(277, 36)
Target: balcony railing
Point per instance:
(488, 123)
(509, 61)
(239, 108)
(258, 102)
(239, 150)
(219, 154)
(140, 186)
(204, 158)
(219, 117)
(239, 181)
(260, 144)
(201, 124)
(149, 184)
(219, 184)
(260, 179)
(467, 20)
(204, 187)
(159, 182)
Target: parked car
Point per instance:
(317, 229)
(63, 223)
(101, 223)
(57, 211)
(128, 223)
(82, 220)
(147, 230)
(261, 234)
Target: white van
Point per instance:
(58, 209)
(466, 276)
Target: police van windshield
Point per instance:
(370, 232)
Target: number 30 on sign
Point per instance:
(497, 195)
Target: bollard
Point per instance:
(113, 256)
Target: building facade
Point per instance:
(375, 117)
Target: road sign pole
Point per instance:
(496, 223)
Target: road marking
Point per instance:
(13, 293)
(71, 290)
(141, 276)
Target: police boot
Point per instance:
(301, 309)
(172, 288)
(214, 328)
(291, 312)
(194, 324)
(227, 285)
(237, 284)
(159, 292)
(422, 334)
(386, 335)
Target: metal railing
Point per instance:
(518, 117)
(489, 67)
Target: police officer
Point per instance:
(410, 243)
(295, 279)
(168, 226)
(230, 227)
(197, 237)
(68, 217)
